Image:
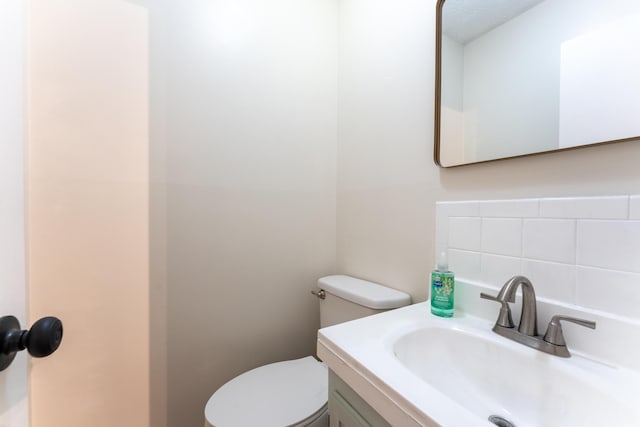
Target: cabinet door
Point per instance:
(342, 414)
(347, 409)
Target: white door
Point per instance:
(13, 380)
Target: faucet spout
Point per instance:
(528, 317)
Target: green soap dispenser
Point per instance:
(442, 284)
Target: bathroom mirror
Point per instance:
(519, 77)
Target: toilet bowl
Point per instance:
(294, 393)
(290, 393)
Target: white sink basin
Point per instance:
(490, 376)
(417, 369)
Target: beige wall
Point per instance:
(243, 203)
(199, 237)
(88, 210)
(387, 181)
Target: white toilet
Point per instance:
(294, 392)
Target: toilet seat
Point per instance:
(289, 393)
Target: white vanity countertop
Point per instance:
(362, 353)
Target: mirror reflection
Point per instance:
(530, 76)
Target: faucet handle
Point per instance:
(504, 317)
(554, 333)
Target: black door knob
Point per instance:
(41, 340)
(44, 337)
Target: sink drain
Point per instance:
(501, 422)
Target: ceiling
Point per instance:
(464, 20)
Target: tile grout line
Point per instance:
(575, 263)
(482, 219)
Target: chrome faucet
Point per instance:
(553, 340)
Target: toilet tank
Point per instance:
(348, 298)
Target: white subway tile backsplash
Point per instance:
(445, 210)
(465, 233)
(609, 290)
(634, 207)
(551, 280)
(517, 208)
(609, 244)
(441, 232)
(580, 250)
(550, 240)
(465, 264)
(497, 269)
(502, 236)
(612, 207)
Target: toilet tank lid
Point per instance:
(363, 292)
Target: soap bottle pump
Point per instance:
(442, 286)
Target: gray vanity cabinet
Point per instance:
(347, 409)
